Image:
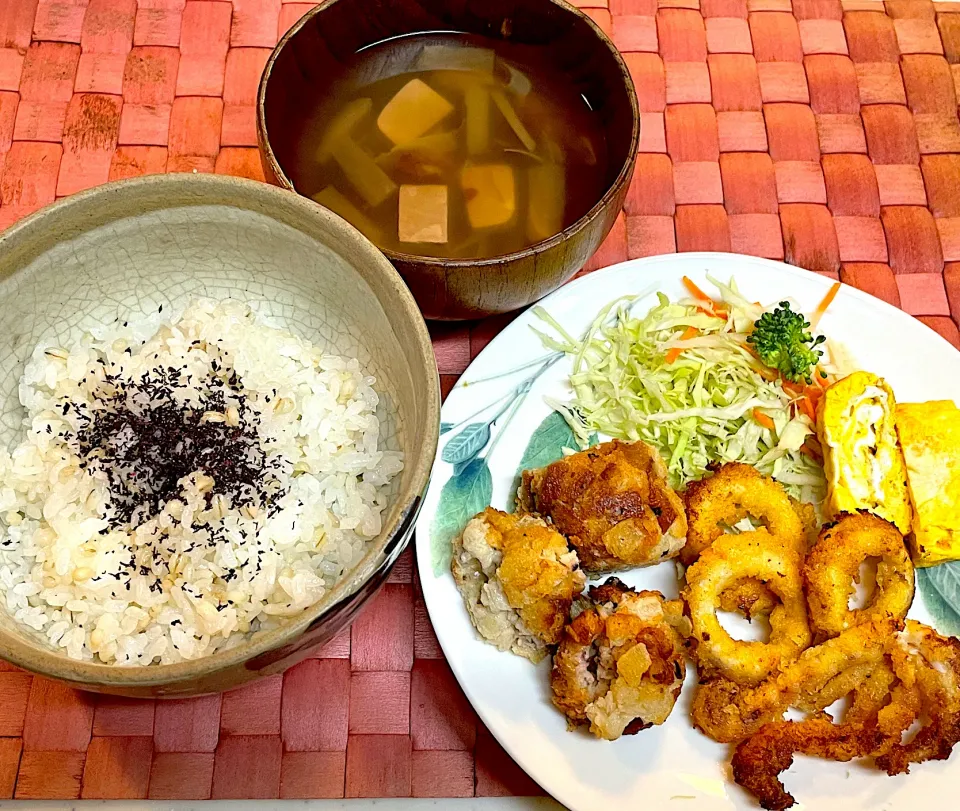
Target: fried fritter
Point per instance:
(620, 665)
(614, 504)
(763, 558)
(518, 579)
(834, 564)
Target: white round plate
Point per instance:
(672, 765)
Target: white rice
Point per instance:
(201, 575)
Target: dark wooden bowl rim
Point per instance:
(537, 247)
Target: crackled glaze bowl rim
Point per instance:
(31, 237)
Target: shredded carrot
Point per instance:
(792, 388)
(807, 408)
(822, 306)
(813, 394)
(822, 382)
(712, 307)
(764, 420)
(695, 291)
(675, 352)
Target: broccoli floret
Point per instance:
(783, 343)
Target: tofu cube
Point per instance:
(423, 214)
(415, 109)
(490, 194)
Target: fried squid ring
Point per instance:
(762, 557)
(873, 726)
(758, 762)
(620, 665)
(853, 662)
(920, 679)
(930, 664)
(834, 563)
(734, 492)
(895, 673)
(737, 491)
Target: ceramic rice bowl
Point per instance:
(123, 250)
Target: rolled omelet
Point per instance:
(862, 459)
(930, 438)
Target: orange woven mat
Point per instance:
(817, 131)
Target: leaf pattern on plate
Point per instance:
(470, 488)
(547, 442)
(939, 586)
(463, 496)
(467, 444)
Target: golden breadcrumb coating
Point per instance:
(620, 665)
(518, 579)
(614, 504)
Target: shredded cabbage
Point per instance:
(697, 410)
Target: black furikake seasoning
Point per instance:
(145, 440)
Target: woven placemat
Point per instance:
(820, 132)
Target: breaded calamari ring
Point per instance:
(834, 563)
(807, 514)
(854, 662)
(758, 761)
(919, 680)
(737, 491)
(762, 557)
(930, 663)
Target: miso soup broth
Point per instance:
(452, 145)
